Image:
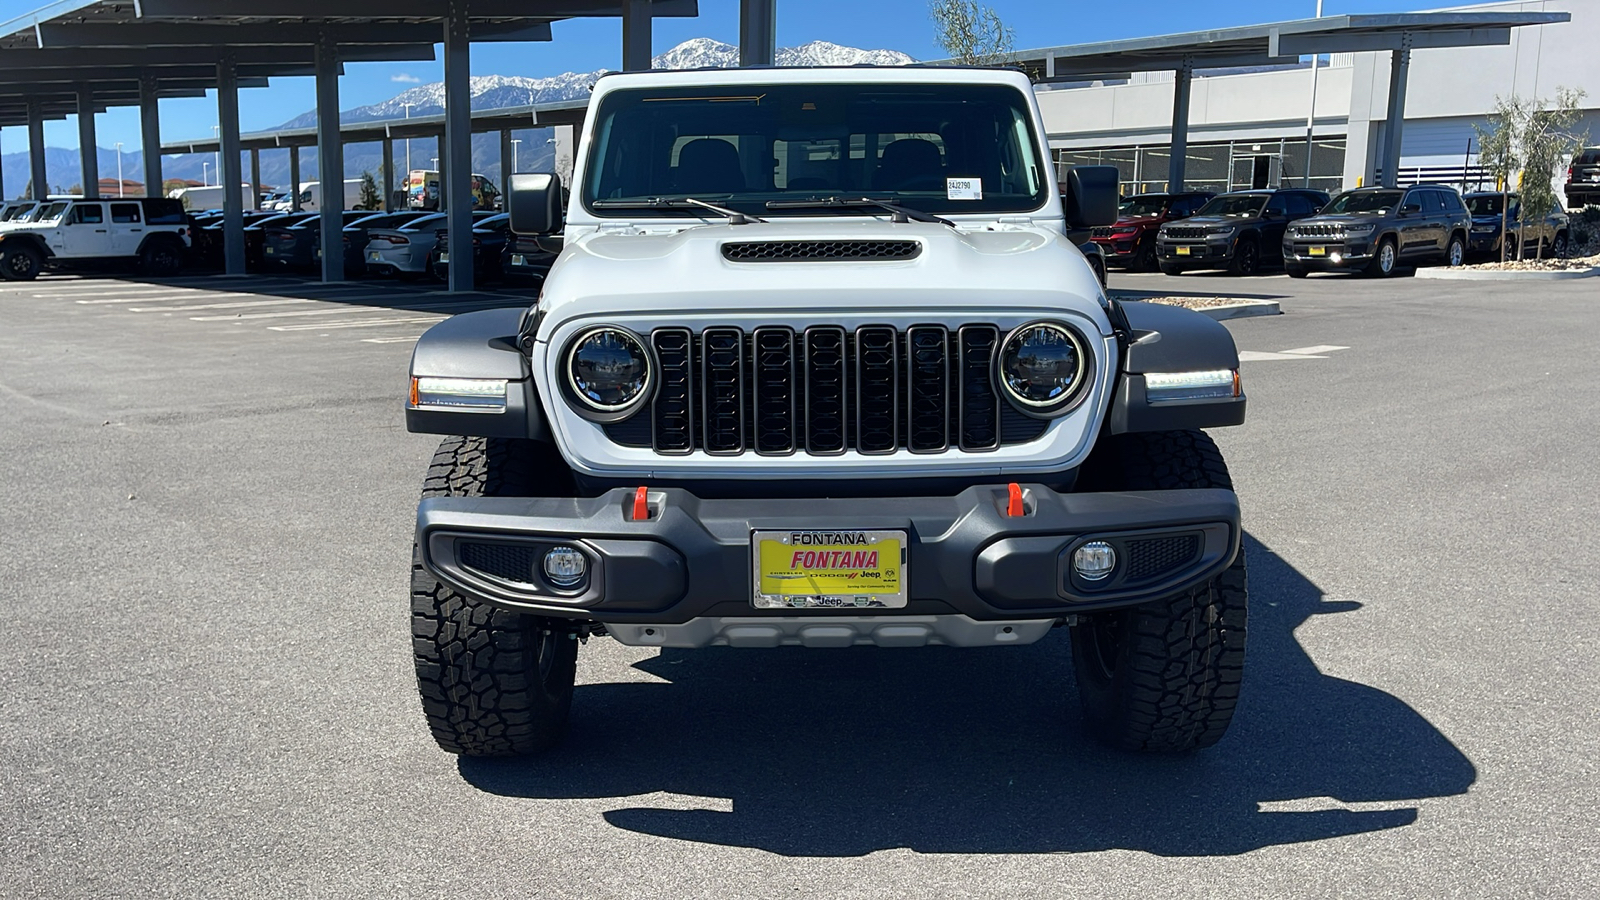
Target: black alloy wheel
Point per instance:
(1246, 258)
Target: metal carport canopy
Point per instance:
(118, 51)
(1281, 43)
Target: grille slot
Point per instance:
(511, 562)
(1100, 231)
(788, 251)
(825, 391)
(1185, 233)
(1153, 557)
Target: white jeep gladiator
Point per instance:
(819, 365)
(151, 235)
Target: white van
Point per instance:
(311, 194)
(210, 197)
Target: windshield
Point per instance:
(1487, 204)
(1379, 202)
(937, 148)
(1234, 205)
(1148, 205)
(51, 212)
(434, 221)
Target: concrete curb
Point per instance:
(1468, 274)
(1242, 310)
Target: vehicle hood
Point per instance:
(1139, 220)
(606, 273)
(1340, 219)
(1215, 220)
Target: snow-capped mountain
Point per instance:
(497, 91)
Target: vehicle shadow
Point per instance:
(1180, 289)
(388, 293)
(844, 752)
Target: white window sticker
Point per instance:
(963, 188)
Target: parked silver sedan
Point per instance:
(404, 250)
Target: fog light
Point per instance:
(1094, 561)
(565, 566)
(1336, 258)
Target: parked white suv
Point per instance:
(152, 234)
(820, 366)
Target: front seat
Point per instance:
(708, 166)
(910, 164)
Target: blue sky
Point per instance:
(588, 44)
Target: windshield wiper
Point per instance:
(900, 213)
(734, 216)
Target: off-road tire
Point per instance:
(1164, 677)
(1144, 258)
(493, 682)
(1246, 257)
(1381, 265)
(1294, 271)
(161, 258)
(20, 262)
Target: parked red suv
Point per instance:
(1131, 243)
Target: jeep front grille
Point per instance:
(1100, 231)
(823, 390)
(1319, 230)
(1185, 233)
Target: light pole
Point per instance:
(119, 170)
(1312, 112)
(205, 172)
(216, 165)
(514, 148)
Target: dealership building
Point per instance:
(1247, 126)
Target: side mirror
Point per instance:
(534, 202)
(1410, 209)
(1092, 196)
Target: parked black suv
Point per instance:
(1238, 231)
(1583, 178)
(1547, 237)
(1378, 229)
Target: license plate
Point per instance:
(1181, 251)
(444, 257)
(270, 251)
(374, 255)
(517, 259)
(1318, 251)
(829, 569)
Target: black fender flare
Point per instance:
(1172, 339)
(158, 238)
(484, 344)
(24, 237)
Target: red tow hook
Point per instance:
(641, 504)
(1014, 507)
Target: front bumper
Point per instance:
(1334, 254)
(1200, 253)
(691, 558)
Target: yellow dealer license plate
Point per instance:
(1317, 251)
(1181, 251)
(829, 569)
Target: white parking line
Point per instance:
(1316, 352)
(147, 298)
(391, 340)
(323, 326)
(290, 315)
(236, 304)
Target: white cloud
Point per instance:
(405, 78)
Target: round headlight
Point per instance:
(1043, 368)
(609, 372)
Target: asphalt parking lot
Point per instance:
(206, 685)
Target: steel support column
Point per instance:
(636, 35)
(38, 182)
(255, 178)
(294, 178)
(507, 152)
(228, 155)
(330, 159)
(387, 185)
(1395, 119)
(88, 148)
(150, 137)
(758, 32)
(1181, 80)
(458, 144)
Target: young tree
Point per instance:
(1497, 151)
(1546, 140)
(973, 35)
(370, 198)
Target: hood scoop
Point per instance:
(820, 251)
